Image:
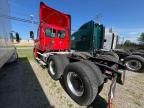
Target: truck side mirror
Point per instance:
(31, 34)
(17, 37)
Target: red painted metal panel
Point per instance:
(51, 18)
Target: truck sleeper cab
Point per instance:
(54, 30)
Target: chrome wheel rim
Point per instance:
(52, 68)
(75, 84)
(133, 65)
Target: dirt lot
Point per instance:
(26, 84)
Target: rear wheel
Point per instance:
(96, 70)
(134, 63)
(113, 55)
(108, 57)
(56, 66)
(80, 82)
(83, 55)
(86, 54)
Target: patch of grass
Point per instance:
(24, 46)
(25, 53)
(70, 105)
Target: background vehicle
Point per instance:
(81, 75)
(94, 36)
(94, 39)
(7, 50)
(133, 60)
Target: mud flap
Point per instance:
(121, 77)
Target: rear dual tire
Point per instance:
(113, 56)
(56, 66)
(81, 82)
(110, 56)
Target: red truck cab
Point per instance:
(54, 30)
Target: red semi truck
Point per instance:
(81, 75)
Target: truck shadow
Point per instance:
(20, 88)
(99, 102)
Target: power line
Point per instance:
(20, 14)
(13, 3)
(24, 20)
(18, 19)
(23, 15)
(98, 18)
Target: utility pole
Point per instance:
(98, 18)
(32, 21)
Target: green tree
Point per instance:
(127, 42)
(141, 38)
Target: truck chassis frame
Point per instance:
(110, 68)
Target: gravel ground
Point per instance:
(26, 84)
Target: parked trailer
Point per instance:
(81, 75)
(7, 50)
(94, 39)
